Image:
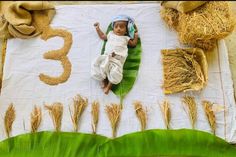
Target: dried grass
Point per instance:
(9, 118)
(171, 17)
(210, 115)
(79, 104)
(141, 114)
(165, 108)
(203, 26)
(56, 112)
(95, 115)
(192, 109)
(184, 70)
(113, 112)
(36, 118)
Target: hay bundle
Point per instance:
(203, 26)
(184, 70)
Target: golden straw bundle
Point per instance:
(141, 114)
(95, 115)
(9, 118)
(192, 109)
(203, 26)
(184, 70)
(36, 118)
(78, 108)
(165, 108)
(113, 112)
(56, 112)
(210, 115)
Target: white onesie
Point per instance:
(106, 66)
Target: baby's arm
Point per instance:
(133, 42)
(99, 31)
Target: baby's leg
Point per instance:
(108, 88)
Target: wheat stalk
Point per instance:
(36, 118)
(79, 104)
(9, 118)
(141, 114)
(192, 109)
(165, 108)
(210, 115)
(56, 112)
(113, 112)
(95, 115)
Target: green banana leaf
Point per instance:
(149, 143)
(130, 69)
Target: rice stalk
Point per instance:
(192, 109)
(55, 112)
(113, 112)
(141, 114)
(210, 115)
(79, 104)
(95, 116)
(9, 118)
(165, 108)
(36, 118)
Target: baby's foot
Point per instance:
(104, 83)
(106, 90)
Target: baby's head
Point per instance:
(123, 25)
(120, 28)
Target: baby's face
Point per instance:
(120, 28)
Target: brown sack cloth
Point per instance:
(24, 19)
(182, 6)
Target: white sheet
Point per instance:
(24, 62)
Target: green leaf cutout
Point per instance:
(130, 69)
(149, 143)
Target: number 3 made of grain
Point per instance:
(60, 55)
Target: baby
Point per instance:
(108, 67)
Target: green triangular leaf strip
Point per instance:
(149, 143)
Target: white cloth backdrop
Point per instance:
(24, 62)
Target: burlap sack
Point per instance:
(24, 19)
(182, 6)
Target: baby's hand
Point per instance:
(96, 25)
(136, 33)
